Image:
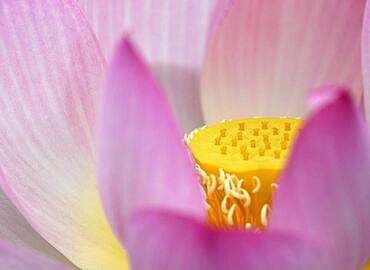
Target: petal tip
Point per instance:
(322, 96)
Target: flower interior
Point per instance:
(238, 162)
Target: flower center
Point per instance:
(238, 162)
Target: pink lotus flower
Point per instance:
(51, 70)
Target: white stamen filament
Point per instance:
(264, 214)
(224, 208)
(257, 184)
(231, 214)
(274, 186)
(211, 187)
(240, 183)
(242, 194)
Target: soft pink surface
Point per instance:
(16, 230)
(16, 258)
(366, 60)
(160, 240)
(51, 69)
(322, 96)
(142, 159)
(173, 37)
(165, 30)
(268, 54)
(324, 190)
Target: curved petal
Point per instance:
(50, 72)
(366, 59)
(142, 159)
(171, 34)
(267, 55)
(160, 240)
(324, 190)
(322, 96)
(15, 229)
(15, 258)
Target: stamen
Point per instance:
(212, 186)
(274, 187)
(224, 208)
(204, 193)
(264, 213)
(240, 184)
(208, 206)
(231, 214)
(238, 168)
(229, 185)
(242, 194)
(201, 172)
(186, 140)
(222, 174)
(257, 185)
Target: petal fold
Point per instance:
(15, 258)
(142, 159)
(51, 70)
(166, 241)
(171, 34)
(267, 55)
(325, 188)
(15, 229)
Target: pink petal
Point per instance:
(153, 22)
(322, 96)
(15, 229)
(159, 240)
(324, 190)
(50, 71)
(366, 59)
(16, 258)
(142, 159)
(171, 34)
(267, 55)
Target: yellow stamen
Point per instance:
(238, 162)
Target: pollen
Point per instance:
(238, 163)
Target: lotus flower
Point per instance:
(51, 71)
